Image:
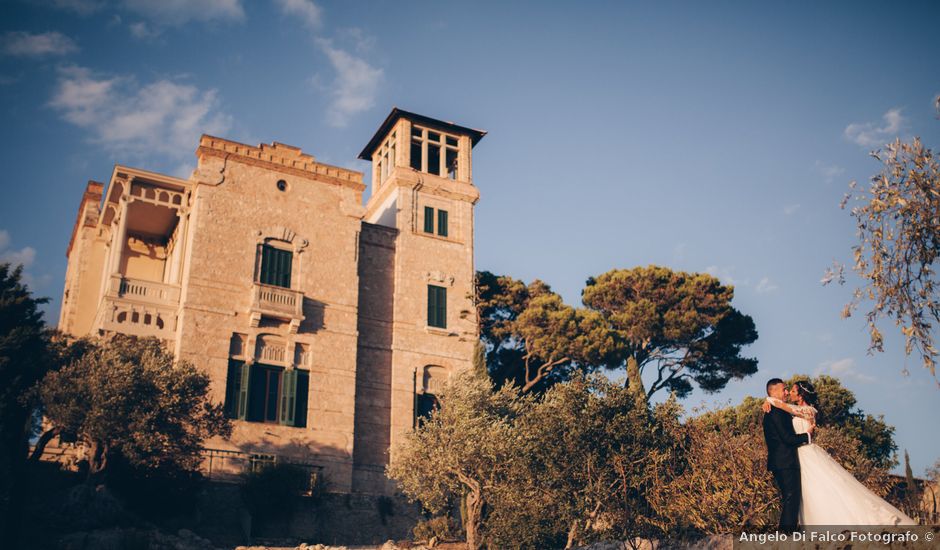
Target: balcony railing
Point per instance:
(277, 302)
(138, 307)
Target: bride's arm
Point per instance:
(794, 410)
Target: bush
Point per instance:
(442, 527)
(274, 490)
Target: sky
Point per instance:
(713, 137)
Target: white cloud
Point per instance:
(724, 274)
(790, 209)
(867, 134)
(355, 86)
(308, 12)
(842, 368)
(143, 31)
(24, 44)
(179, 12)
(829, 171)
(25, 256)
(765, 285)
(162, 117)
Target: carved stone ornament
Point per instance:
(439, 277)
(282, 233)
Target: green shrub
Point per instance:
(274, 489)
(442, 527)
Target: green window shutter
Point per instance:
(242, 407)
(442, 223)
(288, 396)
(428, 219)
(437, 306)
(286, 261)
(276, 266)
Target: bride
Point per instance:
(831, 495)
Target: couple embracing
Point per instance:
(814, 488)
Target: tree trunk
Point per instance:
(474, 517)
(44, 440)
(635, 382)
(572, 535)
(97, 462)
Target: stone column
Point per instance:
(464, 171)
(119, 240)
(179, 248)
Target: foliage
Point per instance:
(442, 527)
(464, 448)
(898, 231)
(722, 486)
(24, 359)
(573, 465)
(127, 396)
(532, 338)
(274, 489)
(681, 324)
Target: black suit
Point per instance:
(783, 463)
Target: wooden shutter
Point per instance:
(442, 223)
(242, 406)
(276, 266)
(437, 306)
(288, 396)
(428, 219)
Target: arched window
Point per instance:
(430, 381)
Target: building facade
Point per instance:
(325, 324)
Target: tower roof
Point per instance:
(366, 154)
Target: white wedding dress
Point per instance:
(832, 495)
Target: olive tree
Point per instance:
(898, 230)
(128, 397)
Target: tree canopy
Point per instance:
(532, 338)
(127, 397)
(680, 324)
(24, 359)
(570, 466)
(898, 230)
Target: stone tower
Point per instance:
(417, 323)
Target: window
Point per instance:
(275, 266)
(434, 152)
(386, 158)
(425, 404)
(437, 306)
(428, 219)
(442, 223)
(442, 228)
(262, 393)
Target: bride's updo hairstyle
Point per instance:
(807, 392)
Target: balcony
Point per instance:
(138, 307)
(278, 303)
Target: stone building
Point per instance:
(326, 324)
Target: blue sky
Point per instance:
(713, 137)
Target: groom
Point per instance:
(782, 460)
